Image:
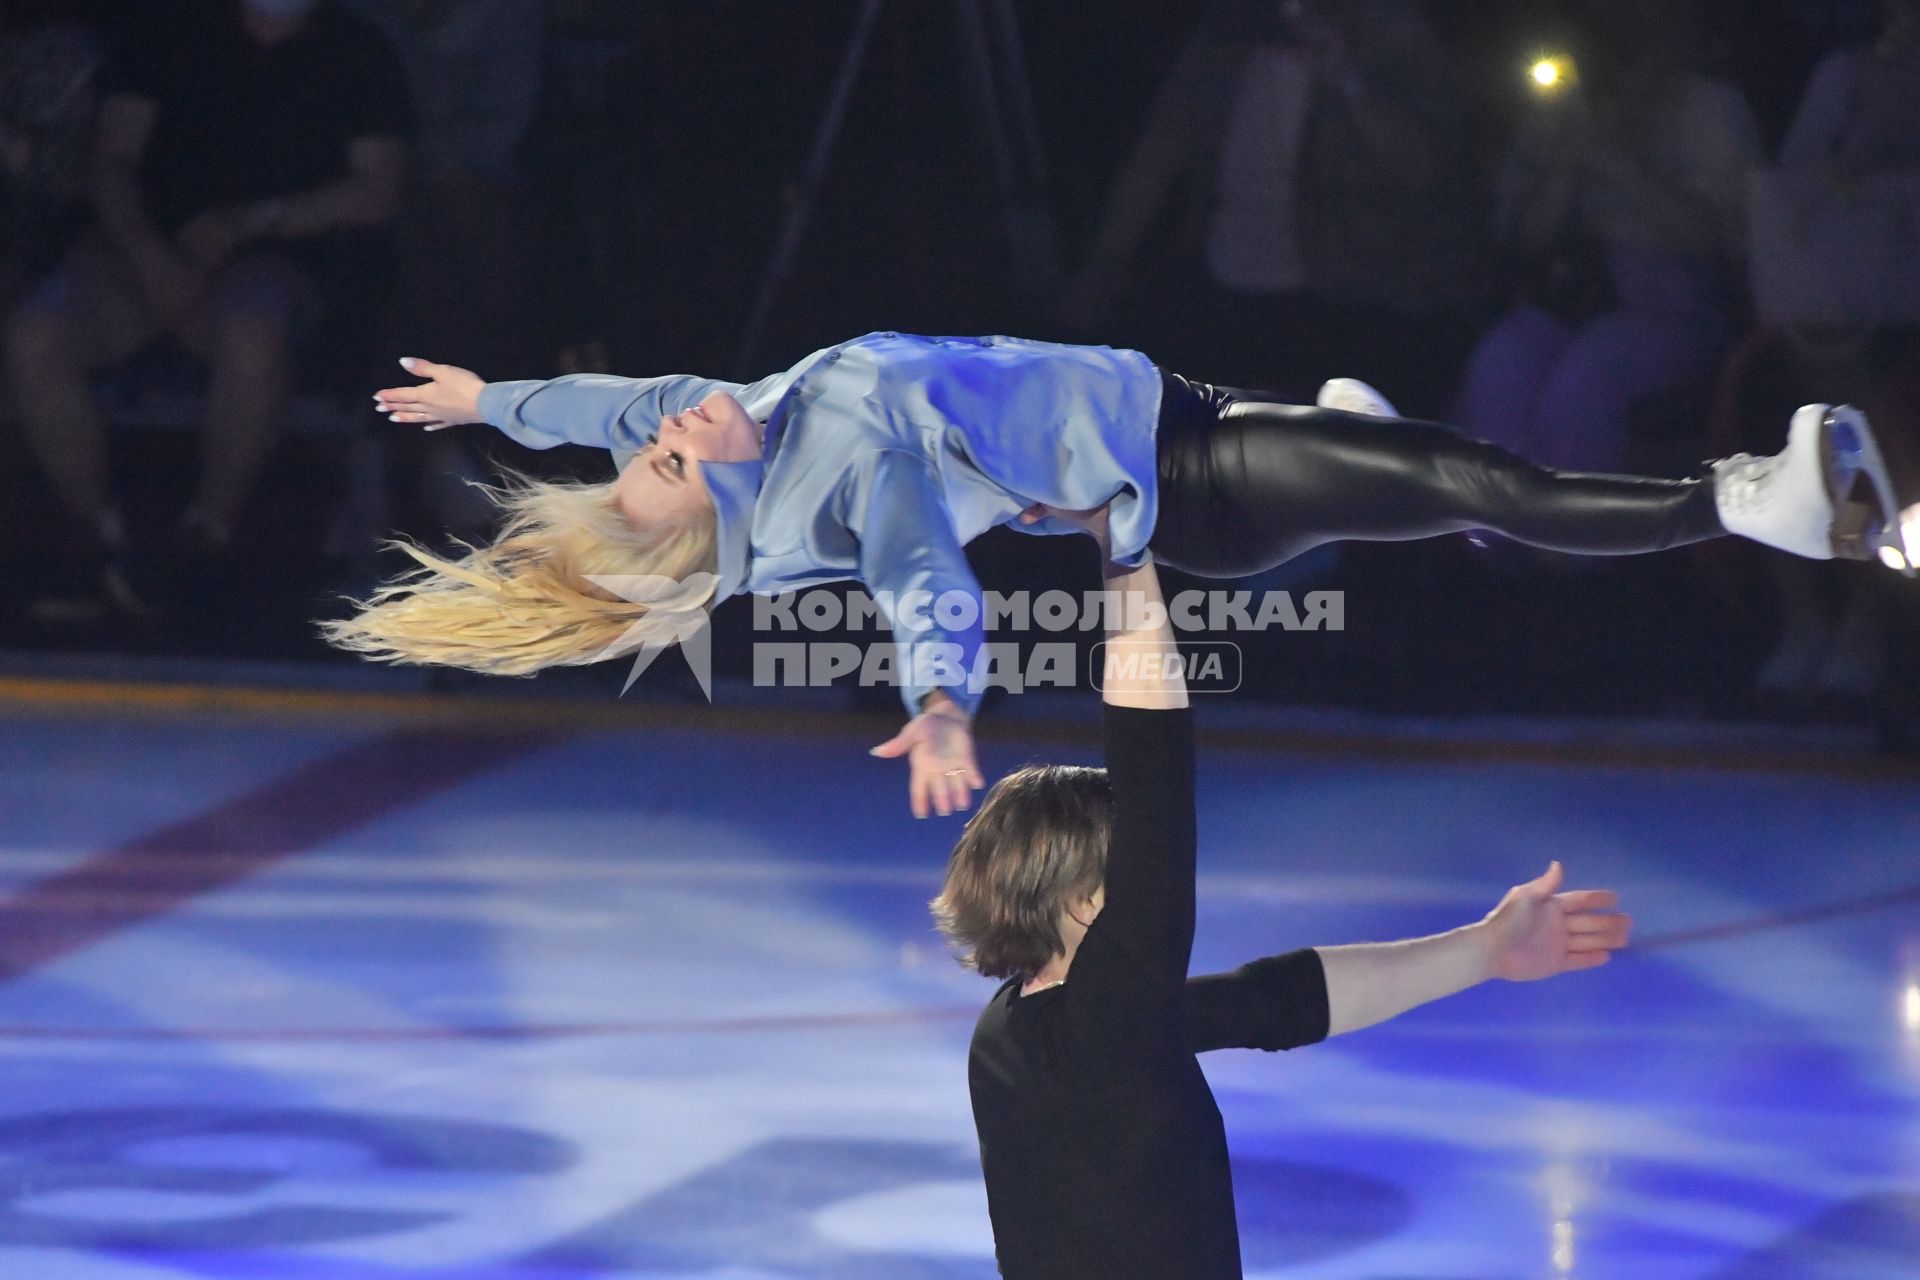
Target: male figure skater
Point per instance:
(1103, 1151)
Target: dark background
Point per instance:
(655, 180)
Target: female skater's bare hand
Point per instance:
(938, 744)
(1538, 931)
(449, 397)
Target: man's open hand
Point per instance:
(1539, 931)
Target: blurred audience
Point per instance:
(474, 68)
(1305, 200)
(1861, 113)
(49, 57)
(1316, 156)
(1625, 196)
(1840, 281)
(1831, 23)
(238, 142)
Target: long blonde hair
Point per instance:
(524, 602)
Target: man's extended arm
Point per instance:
(1279, 1002)
(1282, 1002)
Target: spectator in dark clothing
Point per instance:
(48, 65)
(1319, 153)
(1853, 151)
(1627, 192)
(1861, 113)
(1830, 23)
(474, 69)
(1103, 1150)
(237, 144)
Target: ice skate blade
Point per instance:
(1903, 552)
(1867, 507)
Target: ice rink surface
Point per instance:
(314, 999)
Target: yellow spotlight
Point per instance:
(1890, 556)
(1551, 74)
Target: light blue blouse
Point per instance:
(885, 456)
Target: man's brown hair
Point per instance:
(1038, 844)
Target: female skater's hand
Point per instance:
(449, 397)
(938, 744)
(1538, 931)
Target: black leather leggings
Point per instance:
(1246, 484)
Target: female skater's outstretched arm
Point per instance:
(598, 410)
(690, 456)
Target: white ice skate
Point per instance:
(1349, 395)
(1828, 494)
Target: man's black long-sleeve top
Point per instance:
(1103, 1150)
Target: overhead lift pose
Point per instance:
(879, 459)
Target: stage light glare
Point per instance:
(1551, 74)
(1563, 1253)
(1890, 556)
(1912, 1006)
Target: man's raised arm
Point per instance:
(1138, 947)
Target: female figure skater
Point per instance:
(1103, 1150)
(880, 458)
